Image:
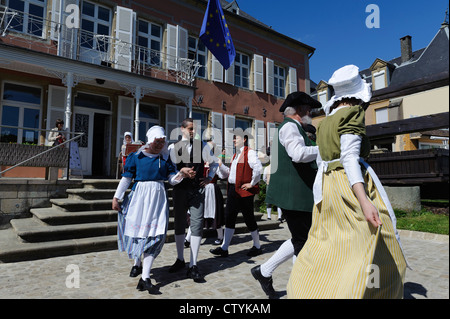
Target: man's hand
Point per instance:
(188, 172)
(205, 181)
(247, 186)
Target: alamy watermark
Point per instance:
(73, 279)
(373, 19)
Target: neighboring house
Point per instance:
(128, 67)
(414, 84)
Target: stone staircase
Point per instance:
(81, 223)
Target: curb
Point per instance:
(422, 235)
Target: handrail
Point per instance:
(80, 134)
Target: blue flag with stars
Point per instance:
(215, 34)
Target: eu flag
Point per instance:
(215, 34)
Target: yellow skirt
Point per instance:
(345, 256)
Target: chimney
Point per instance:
(406, 48)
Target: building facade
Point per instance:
(414, 84)
(106, 67)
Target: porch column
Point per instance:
(137, 96)
(68, 109)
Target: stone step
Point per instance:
(54, 216)
(22, 251)
(33, 230)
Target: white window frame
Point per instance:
(195, 53)
(180, 112)
(26, 16)
(22, 106)
(280, 89)
(150, 38)
(241, 66)
(96, 21)
(379, 80)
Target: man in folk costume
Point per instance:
(190, 194)
(243, 183)
(293, 169)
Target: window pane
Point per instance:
(88, 9)
(156, 30)
(93, 101)
(15, 92)
(35, 20)
(30, 119)
(103, 14)
(10, 117)
(143, 26)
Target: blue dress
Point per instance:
(144, 217)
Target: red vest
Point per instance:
(244, 175)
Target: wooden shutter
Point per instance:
(124, 32)
(292, 80)
(216, 70)
(229, 125)
(258, 73)
(269, 77)
(229, 74)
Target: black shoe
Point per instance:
(147, 285)
(135, 271)
(254, 252)
(194, 274)
(266, 283)
(178, 265)
(219, 252)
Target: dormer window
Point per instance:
(379, 80)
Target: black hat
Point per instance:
(310, 128)
(299, 98)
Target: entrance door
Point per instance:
(83, 121)
(94, 146)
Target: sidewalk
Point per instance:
(104, 275)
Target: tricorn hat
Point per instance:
(299, 98)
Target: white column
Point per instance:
(138, 97)
(68, 109)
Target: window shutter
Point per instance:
(56, 19)
(125, 119)
(269, 77)
(216, 70)
(229, 74)
(171, 49)
(258, 73)
(69, 36)
(229, 125)
(182, 42)
(271, 129)
(124, 32)
(217, 129)
(292, 80)
(260, 135)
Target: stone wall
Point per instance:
(18, 196)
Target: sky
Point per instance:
(337, 28)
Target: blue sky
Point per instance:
(338, 32)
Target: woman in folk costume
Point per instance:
(143, 219)
(353, 248)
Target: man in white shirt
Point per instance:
(243, 183)
(291, 182)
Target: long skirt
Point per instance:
(143, 221)
(345, 256)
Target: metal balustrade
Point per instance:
(43, 35)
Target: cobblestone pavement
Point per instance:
(105, 274)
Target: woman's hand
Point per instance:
(115, 204)
(369, 210)
(371, 214)
(188, 172)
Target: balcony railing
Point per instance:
(43, 35)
